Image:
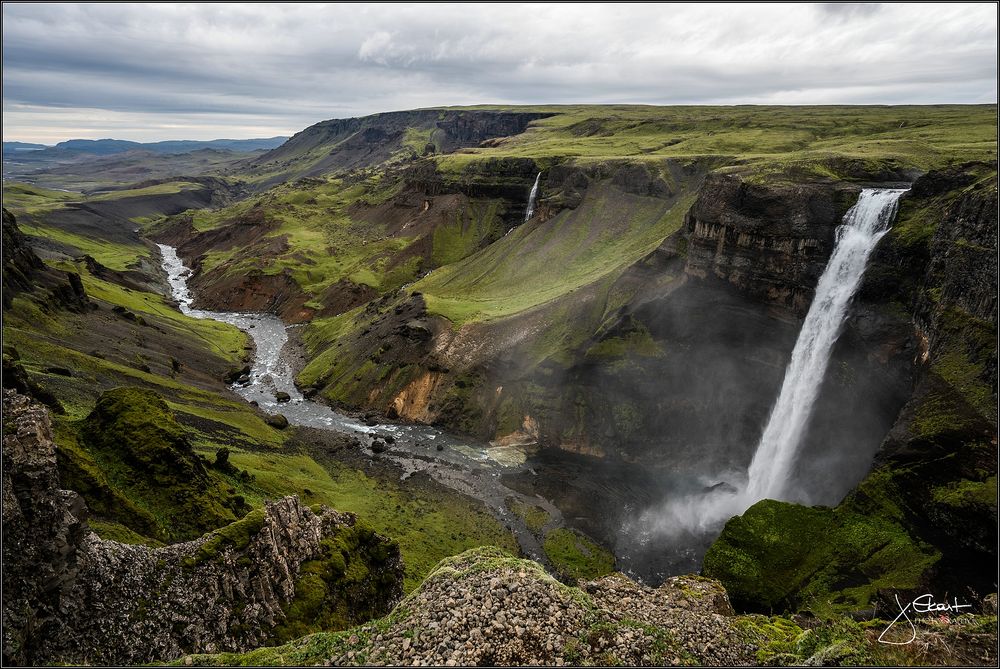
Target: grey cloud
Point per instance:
(848, 10)
(292, 65)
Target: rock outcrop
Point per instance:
(134, 464)
(485, 608)
(19, 261)
(23, 271)
(70, 597)
(771, 242)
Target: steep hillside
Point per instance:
(353, 143)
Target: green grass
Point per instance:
(227, 341)
(537, 263)
(429, 524)
(166, 188)
(575, 556)
(113, 255)
(535, 517)
(28, 197)
(922, 136)
(244, 425)
(112, 531)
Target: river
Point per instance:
(463, 465)
(598, 497)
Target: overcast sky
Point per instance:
(150, 72)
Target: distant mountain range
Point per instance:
(104, 147)
(22, 146)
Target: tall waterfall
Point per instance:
(702, 513)
(529, 212)
(864, 224)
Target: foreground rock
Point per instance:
(70, 597)
(486, 608)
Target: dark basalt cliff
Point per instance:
(925, 518)
(70, 597)
(770, 242)
(23, 270)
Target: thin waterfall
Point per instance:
(530, 211)
(864, 225)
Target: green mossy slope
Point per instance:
(786, 557)
(147, 465)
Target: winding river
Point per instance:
(599, 497)
(465, 466)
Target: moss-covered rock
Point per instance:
(779, 556)
(134, 464)
(358, 576)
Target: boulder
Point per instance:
(277, 421)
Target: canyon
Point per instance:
(539, 328)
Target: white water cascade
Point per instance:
(769, 474)
(864, 224)
(530, 211)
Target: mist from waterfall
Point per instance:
(530, 210)
(769, 473)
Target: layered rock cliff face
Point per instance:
(927, 511)
(70, 597)
(770, 242)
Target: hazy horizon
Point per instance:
(204, 71)
(512, 106)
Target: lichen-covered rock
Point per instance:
(487, 608)
(70, 597)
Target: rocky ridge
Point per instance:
(70, 597)
(486, 608)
